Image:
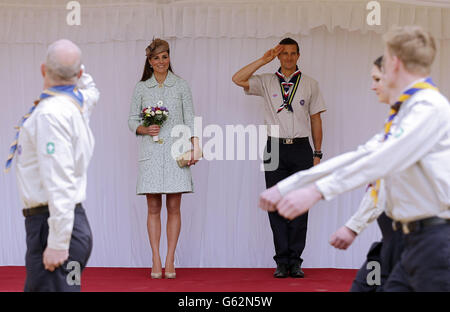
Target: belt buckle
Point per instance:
(288, 141)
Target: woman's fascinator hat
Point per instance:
(156, 46)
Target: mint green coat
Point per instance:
(158, 171)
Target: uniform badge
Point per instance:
(50, 148)
(398, 132)
(274, 95)
(302, 102)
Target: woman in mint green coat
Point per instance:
(158, 171)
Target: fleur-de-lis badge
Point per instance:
(50, 148)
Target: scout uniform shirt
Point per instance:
(307, 101)
(414, 162)
(55, 146)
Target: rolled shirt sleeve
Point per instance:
(256, 86)
(54, 135)
(412, 138)
(134, 117)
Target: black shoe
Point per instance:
(296, 271)
(282, 271)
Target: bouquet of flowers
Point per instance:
(155, 115)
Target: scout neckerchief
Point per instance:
(285, 86)
(69, 91)
(427, 84)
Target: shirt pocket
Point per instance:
(300, 104)
(274, 96)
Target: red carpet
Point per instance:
(195, 280)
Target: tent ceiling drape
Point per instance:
(210, 19)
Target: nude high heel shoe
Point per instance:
(170, 275)
(156, 275)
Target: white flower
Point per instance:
(159, 112)
(152, 113)
(166, 113)
(160, 103)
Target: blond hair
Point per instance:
(414, 46)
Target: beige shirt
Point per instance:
(414, 162)
(368, 210)
(54, 149)
(307, 101)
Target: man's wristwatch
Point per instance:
(318, 154)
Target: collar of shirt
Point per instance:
(287, 79)
(169, 82)
(413, 83)
(69, 90)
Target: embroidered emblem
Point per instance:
(398, 132)
(50, 148)
(302, 102)
(274, 95)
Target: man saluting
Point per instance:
(293, 102)
(411, 154)
(54, 145)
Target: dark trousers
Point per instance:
(387, 253)
(289, 236)
(425, 262)
(38, 278)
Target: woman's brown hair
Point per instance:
(155, 47)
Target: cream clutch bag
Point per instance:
(184, 158)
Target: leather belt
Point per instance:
(419, 224)
(28, 212)
(289, 140)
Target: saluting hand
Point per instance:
(272, 53)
